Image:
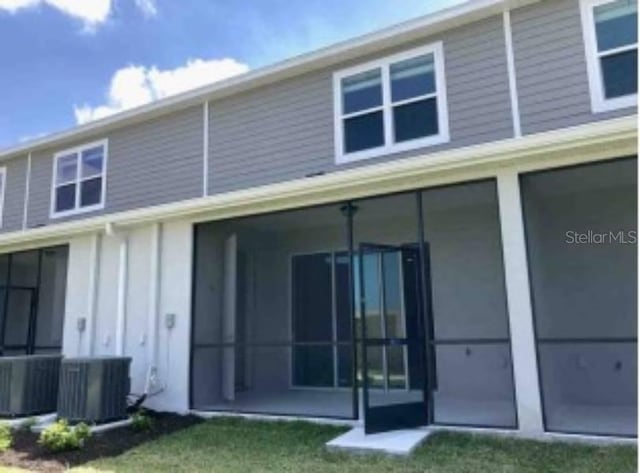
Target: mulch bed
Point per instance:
(27, 454)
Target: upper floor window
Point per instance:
(79, 179)
(611, 40)
(394, 104)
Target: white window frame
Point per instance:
(77, 209)
(3, 191)
(389, 146)
(599, 103)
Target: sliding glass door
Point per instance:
(315, 360)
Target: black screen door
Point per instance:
(392, 336)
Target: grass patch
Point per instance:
(239, 446)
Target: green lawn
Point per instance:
(240, 446)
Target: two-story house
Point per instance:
(433, 224)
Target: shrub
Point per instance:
(28, 424)
(60, 436)
(141, 421)
(5, 437)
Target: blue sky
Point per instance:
(64, 62)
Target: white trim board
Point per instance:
(590, 142)
(3, 193)
(205, 148)
(511, 70)
(27, 194)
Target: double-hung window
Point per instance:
(611, 40)
(391, 105)
(79, 179)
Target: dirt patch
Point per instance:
(27, 454)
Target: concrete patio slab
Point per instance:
(397, 442)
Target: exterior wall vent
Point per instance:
(29, 384)
(94, 390)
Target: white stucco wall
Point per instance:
(174, 297)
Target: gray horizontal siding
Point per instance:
(551, 69)
(151, 163)
(285, 130)
(13, 210)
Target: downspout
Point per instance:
(152, 385)
(123, 274)
(94, 271)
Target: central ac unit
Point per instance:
(28, 384)
(94, 390)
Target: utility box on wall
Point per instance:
(29, 384)
(94, 390)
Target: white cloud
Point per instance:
(133, 86)
(148, 7)
(13, 5)
(90, 12)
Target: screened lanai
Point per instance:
(32, 301)
(581, 227)
(282, 301)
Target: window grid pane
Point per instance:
(92, 162)
(415, 120)
(362, 91)
(616, 24)
(363, 132)
(91, 192)
(413, 78)
(67, 169)
(65, 197)
(619, 74)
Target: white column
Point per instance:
(174, 342)
(80, 294)
(519, 304)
